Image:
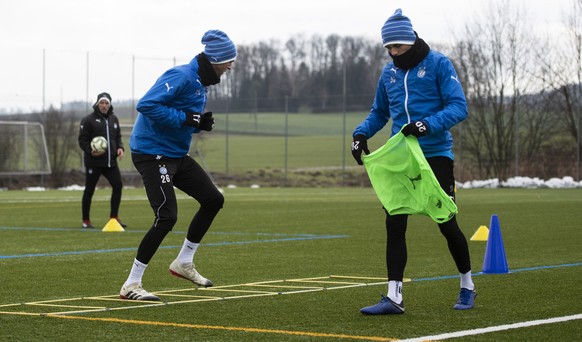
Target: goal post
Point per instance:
(23, 149)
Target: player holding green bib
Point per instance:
(420, 90)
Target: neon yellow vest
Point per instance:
(405, 183)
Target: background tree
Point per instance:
(494, 60)
(561, 74)
(61, 132)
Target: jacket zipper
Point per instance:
(108, 144)
(406, 94)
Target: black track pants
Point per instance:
(396, 225)
(92, 175)
(160, 175)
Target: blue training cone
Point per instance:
(495, 260)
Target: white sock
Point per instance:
(186, 255)
(467, 281)
(395, 291)
(136, 272)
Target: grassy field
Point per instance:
(271, 253)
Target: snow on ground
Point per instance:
(515, 182)
(523, 182)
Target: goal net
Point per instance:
(23, 149)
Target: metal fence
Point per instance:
(273, 149)
(270, 144)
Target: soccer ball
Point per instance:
(99, 144)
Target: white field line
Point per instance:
(503, 327)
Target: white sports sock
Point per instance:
(136, 272)
(186, 255)
(395, 291)
(467, 281)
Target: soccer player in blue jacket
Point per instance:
(169, 114)
(420, 90)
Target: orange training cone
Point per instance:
(113, 226)
(495, 260)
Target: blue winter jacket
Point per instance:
(160, 125)
(429, 92)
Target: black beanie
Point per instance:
(102, 96)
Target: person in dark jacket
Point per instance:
(420, 91)
(101, 123)
(169, 114)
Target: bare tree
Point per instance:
(494, 59)
(296, 50)
(10, 154)
(561, 74)
(61, 134)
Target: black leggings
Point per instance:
(92, 175)
(396, 252)
(160, 176)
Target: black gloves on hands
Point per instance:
(203, 122)
(207, 122)
(359, 144)
(416, 128)
(193, 119)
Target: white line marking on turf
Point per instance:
(493, 329)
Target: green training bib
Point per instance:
(404, 181)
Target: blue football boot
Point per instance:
(466, 299)
(384, 307)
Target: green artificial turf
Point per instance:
(285, 234)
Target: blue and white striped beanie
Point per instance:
(218, 47)
(398, 30)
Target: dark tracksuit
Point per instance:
(93, 125)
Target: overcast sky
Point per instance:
(173, 28)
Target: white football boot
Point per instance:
(135, 291)
(187, 271)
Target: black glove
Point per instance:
(416, 128)
(194, 119)
(207, 122)
(201, 121)
(359, 144)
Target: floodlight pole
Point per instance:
(43, 79)
(87, 86)
(579, 107)
(516, 143)
(226, 142)
(286, 137)
(132, 89)
(344, 129)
